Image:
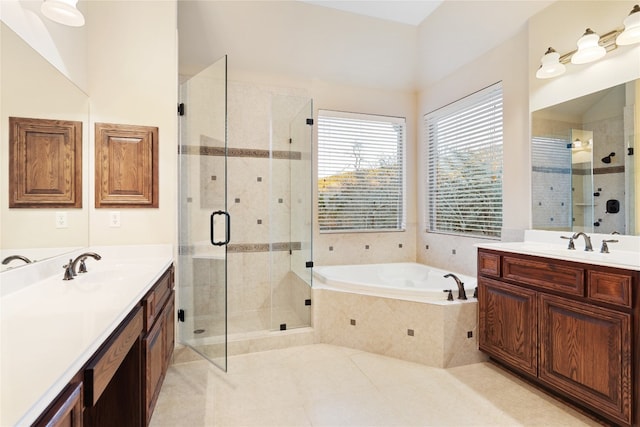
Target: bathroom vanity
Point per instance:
(92, 351)
(569, 325)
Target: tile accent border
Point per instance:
(249, 247)
(203, 150)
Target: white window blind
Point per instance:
(360, 172)
(464, 165)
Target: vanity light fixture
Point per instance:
(63, 12)
(631, 33)
(551, 65)
(588, 48)
(592, 47)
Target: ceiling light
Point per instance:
(631, 33)
(588, 48)
(63, 12)
(551, 66)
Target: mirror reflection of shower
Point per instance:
(582, 194)
(611, 115)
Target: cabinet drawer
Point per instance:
(66, 409)
(488, 264)
(609, 287)
(156, 298)
(544, 274)
(105, 364)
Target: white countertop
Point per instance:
(625, 253)
(50, 328)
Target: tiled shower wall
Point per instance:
(260, 203)
(608, 179)
(262, 292)
(551, 177)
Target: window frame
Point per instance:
(324, 116)
(449, 141)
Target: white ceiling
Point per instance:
(317, 39)
(411, 12)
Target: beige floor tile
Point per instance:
(326, 385)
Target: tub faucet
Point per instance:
(8, 259)
(461, 293)
(587, 240)
(70, 268)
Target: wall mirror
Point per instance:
(584, 156)
(33, 88)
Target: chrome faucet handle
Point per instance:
(572, 245)
(604, 249)
(82, 268)
(68, 271)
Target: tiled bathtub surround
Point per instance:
(382, 325)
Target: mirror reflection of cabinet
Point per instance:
(33, 88)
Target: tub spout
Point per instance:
(461, 293)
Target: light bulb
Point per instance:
(631, 33)
(63, 12)
(588, 48)
(551, 66)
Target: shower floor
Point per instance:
(247, 321)
(249, 332)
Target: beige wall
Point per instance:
(132, 68)
(506, 63)
(64, 47)
(133, 80)
(568, 21)
(514, 63)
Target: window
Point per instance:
(360, 172)
(464, 166)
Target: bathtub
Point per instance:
(397, 310)
(406, 281)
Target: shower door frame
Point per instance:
(203, 244)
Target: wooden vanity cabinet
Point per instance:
(120, 384)
(508, 324)
(66, 410)
(158, 341)
(567, 326)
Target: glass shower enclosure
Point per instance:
(245, 258)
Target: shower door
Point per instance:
(204, 224)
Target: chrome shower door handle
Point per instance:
(227, 226)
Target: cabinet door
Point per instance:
(154, 352)
(507, 324)
(169, 332)
(66, 411)
(585, 352)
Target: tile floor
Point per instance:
(325, 385)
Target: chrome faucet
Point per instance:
(461, 293)
(587, 240)
(604, 249)
(571, 246)
(70, 268)
(8, 259)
